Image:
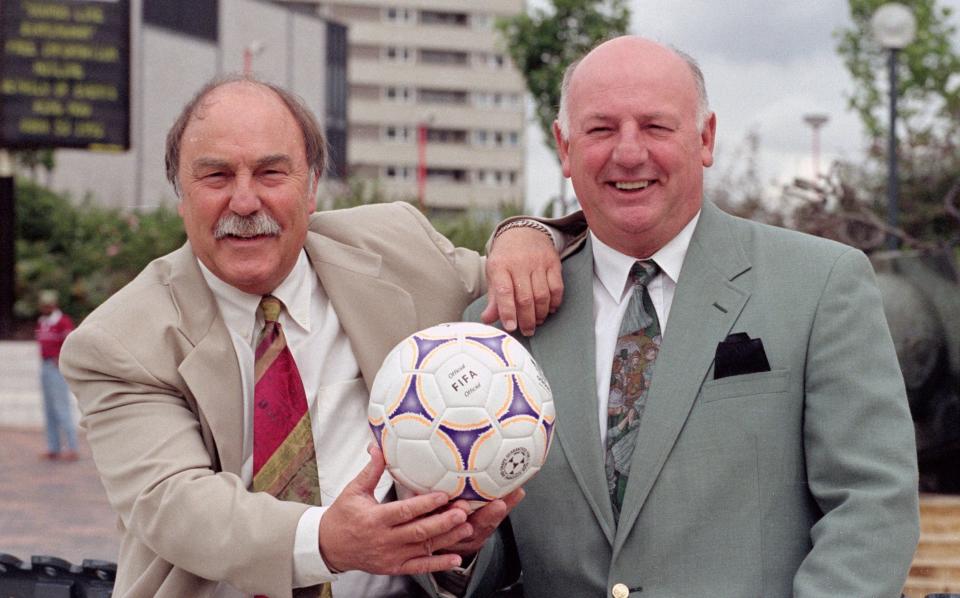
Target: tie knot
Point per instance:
(643, 271)
(270, 307)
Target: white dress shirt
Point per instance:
(337, 399)
(611, 295)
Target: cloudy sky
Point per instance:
(767, 63)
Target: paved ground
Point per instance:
(50, 508)
(53, 508)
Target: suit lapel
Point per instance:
(706, 304)
(210, 370)
(564, 346)
(374, 313)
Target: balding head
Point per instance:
(647, 48)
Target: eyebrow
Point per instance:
(657, 115)
(215, 163)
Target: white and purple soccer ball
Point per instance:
(462, 408)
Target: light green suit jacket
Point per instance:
(800, 481)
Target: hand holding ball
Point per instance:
(462, 408)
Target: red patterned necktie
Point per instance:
(284, 458)
(633, 357)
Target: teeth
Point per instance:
(631, 186)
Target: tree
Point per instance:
(928, 90)
(544, 42)
(928, 94)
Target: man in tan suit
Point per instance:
(163, 370)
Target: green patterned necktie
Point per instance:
(633, 358)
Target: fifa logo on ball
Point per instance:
(462, 408)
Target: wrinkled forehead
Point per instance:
(646, 76)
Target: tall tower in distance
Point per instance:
(435, 107)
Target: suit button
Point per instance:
(619, 591)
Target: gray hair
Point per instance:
(314, 142)
(703, 106)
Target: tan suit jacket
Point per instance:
(159, 388)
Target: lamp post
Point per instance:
(255, 48)
(894, 26)
(816, 121)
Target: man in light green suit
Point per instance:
(787, 470)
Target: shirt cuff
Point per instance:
(309, 569)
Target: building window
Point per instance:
(336, 96)
(513, 138)
(481, 21)
(446, 136)
(480, 137)
(448, 175)
(400, 95)
(398, 173)
(443, 57)
(438, 17)
(490, 60)
(198, 18)
(397, 134)
(442, 96)
(393, 14)
(397, 54)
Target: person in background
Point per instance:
(53, 326)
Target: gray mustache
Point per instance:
(253, 225)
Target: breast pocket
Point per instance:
(746, 385)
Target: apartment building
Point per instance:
(435, 108)
(178, 45)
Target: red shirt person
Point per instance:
(53, 326)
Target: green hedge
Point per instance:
(85, 252)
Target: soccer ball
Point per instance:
(464, 409)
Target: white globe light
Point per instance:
(894, 25)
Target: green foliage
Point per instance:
(469, 229)
(928, 93)
(85, 252)
(928, 89)
(543, 43)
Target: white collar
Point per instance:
(612, 267)
(239, 309)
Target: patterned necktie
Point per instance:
(633, 357)
(284, 459)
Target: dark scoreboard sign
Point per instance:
(65, 74)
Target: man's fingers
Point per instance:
(429, 564)
(525, 305)
(366, 481)
(555, 283)
(399, 512)
(500, 294)
(540, 289)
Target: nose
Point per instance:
(244, 199)
(631, 149)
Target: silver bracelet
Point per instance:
(523, 223)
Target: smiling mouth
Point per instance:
(632, 185)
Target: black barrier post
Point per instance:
(7, 245)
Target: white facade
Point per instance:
(168, 67)
(438, 64)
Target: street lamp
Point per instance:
(255, 48)
(894, 27)
(816, 121)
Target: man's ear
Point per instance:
(563, 148)
(707, 137)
